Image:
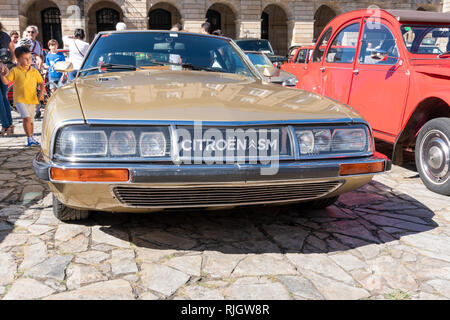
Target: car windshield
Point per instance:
(168, 50)
(255, 45)
(426, 39)
(259, 59)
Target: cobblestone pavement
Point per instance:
(387, 240)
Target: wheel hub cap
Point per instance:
(435, 156)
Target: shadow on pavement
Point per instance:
(20, 189)
(373, 214)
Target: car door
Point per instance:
(290, 65)
(311, 79)
(300, 65)
(337, 66)
(379, 86)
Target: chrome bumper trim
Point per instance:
(170, 173)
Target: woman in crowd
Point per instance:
(77, 50)
(14, 35)
(7, 58)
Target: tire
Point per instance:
(433, 155)
(320, 203)
(64, 213)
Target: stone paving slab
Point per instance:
(387, 240)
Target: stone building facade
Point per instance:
(283, 22)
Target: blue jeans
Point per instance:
(71, 75)
(5, 108)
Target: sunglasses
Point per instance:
(31, 31)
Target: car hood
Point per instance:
(197, 95)
(280, 76)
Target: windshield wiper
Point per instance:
(185, 65)
(110, 66)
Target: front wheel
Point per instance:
(433, 155)
(64, 213)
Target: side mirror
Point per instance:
(64, 66)
(378, 54)
(268, 72)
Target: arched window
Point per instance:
(265, 25)
(107, 19)
(160, 19)
(51, 26)
(213, 17)
(322, 16)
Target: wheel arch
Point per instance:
(428, 109)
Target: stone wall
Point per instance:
(291, 22)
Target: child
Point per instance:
(52, 57)
(25, 80)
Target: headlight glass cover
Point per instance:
(333, 141)
(111, 143)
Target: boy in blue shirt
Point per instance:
(52, 57)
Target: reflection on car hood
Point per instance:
(280, 76)
(197, 95)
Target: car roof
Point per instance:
(251, 39)
(163, 31)
(419, 16)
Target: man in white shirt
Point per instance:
(77, 50)
(37, 56)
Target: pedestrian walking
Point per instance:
(25, 79)
(52, 57)
(6, 58)
(206, 28)
(77, 50)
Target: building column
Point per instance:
(193, 25)
(446, 6)
(302, 32)
(248, 28)
(135, 14)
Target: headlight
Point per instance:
(111, 143)
(122, 143)
(290, 82)
(72, 143)
(349, 140)
(152, 144)
(313, 142)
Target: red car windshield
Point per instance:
(421, 39)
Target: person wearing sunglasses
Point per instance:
(36, 48)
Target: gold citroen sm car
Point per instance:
(158, 120)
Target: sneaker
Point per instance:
(31, 142)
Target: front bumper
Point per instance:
(205, 185)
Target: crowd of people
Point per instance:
(24, 66)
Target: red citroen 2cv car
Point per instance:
(298, 62)
(392, 66)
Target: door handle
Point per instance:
(356, 71)
(322, 69)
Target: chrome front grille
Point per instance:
(205, 196)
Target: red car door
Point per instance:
(337, 66)
(380, 85)
(311, 80)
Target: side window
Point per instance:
(301, 56)
(343, 47)
(377, 38)
(321, 46)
